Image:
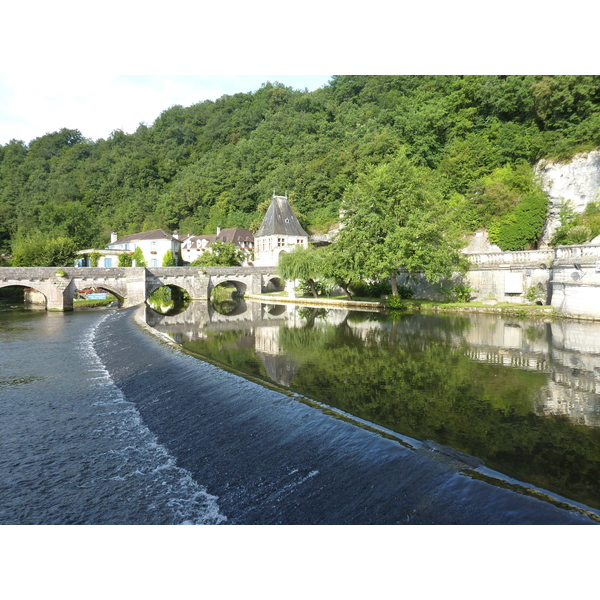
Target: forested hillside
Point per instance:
(214, 163)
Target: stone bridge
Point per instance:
(133, 285)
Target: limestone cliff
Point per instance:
(577, 180)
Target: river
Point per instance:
(264, 414)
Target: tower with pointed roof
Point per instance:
(279, 232)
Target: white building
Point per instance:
(279, 232)
(154, 244)
(193, 246)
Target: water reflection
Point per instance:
(524, 396)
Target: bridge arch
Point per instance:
(168, 299)
(240, 287)
(175, 288)
(25, 285)
(121, 299)
(273, 283)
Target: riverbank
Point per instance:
(520, 310)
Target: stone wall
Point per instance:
(568, 278)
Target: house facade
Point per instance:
(193, 246)
(154, 245)
(279, 232)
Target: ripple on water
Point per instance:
(74, 450)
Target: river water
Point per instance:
(264, 414)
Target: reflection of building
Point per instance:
(279, 232)
(567, 351)
(278, 366)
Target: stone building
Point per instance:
(279, 232)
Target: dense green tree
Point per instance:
(169, 259)
(394, 218)
(40, 250)
(138, 258)
(222, 254)
(175, 173)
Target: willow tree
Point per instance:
(394, 218)
(302, 263)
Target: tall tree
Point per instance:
(394, 218)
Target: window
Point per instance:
(108, 262)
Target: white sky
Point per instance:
(59, 60)
(99, 104)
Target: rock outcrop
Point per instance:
(577, 180)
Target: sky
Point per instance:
(72, 64)
(97, 105)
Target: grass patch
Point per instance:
(93, 303)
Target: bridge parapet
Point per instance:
(132, 285)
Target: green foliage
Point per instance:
(214, 163)
(521, 228)
(535, 293)
(169, 259)
(393, 219)
(222, 254)
(396, 302)
(125, 260)
(305, 264)
(138, 257)
(94, 258)
(40, 250)
(577, 228)
(457, 293)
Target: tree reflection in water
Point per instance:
(503, 391)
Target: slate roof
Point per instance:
(193, 239)
(235, 235)
(156, 234)
(280, 220)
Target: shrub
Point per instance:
(521, 227)
(405, 292)
(396, 302)
(138, 256)
(169, 259)
(579, 234)
(125, 260)
(535, 294)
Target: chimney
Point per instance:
(218, 230)
(113, 237)
(176, 234)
